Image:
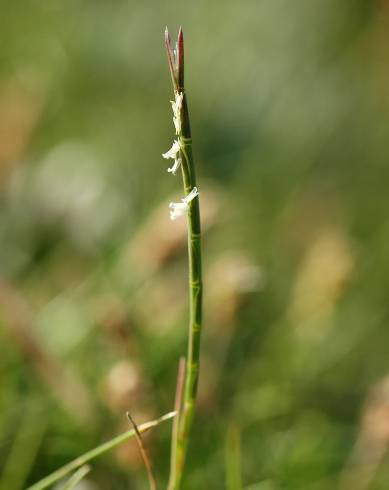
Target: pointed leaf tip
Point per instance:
(180, 37)
(180, 58)
(171, 57)
(167, 37)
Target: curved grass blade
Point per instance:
(76, 477)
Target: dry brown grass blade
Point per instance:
(143, 452)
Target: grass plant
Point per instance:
(183, 158)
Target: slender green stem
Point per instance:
(195, 274)
(97, 451)
(195, 309)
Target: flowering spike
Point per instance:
(189, 206)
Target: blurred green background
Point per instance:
(289, 104)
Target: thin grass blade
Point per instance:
(76, 478)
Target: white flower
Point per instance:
(192, 194)
(178, 209)
(176, 165)
(177, 106)
(173, 153)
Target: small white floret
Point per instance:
(178, 209)
(176, 165)
(192, 194)
(177, 106)
(172, 153)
